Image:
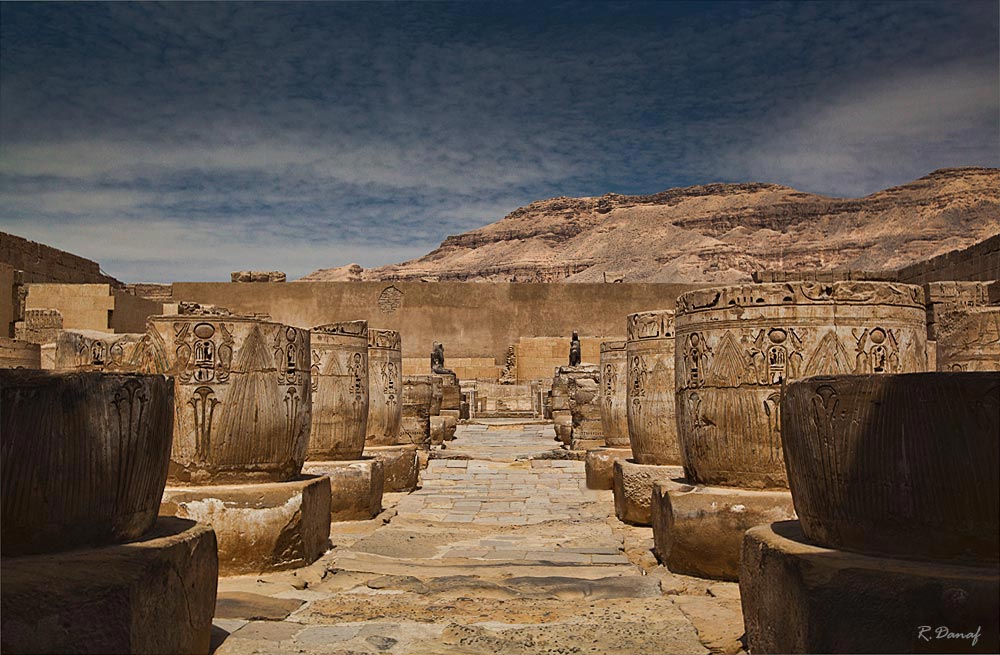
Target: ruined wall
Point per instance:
(41, 263)
(980, 261)
(479, 320)
(8, 299)
(96, 307)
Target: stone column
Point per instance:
(895, 482)
(241, 431)
(400, 462)
(85, 459)
(417, 400)
(652, 427)
(737, 349)
(614, 417)
(340, 391)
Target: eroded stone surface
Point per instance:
(632, 484)
(16, 353)
(260, 527)
(698, 530)
(737, 346)
(355, 487)
(400, 466)
(599, 466)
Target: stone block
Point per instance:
(438, 427)
(801, 598)
(154, 595)
(400, 466)
(355, 487)
(599, 466)
(15, 353)
(633, 487)
(584, 444)
(260, 527)
(699, 530)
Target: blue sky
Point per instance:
(184, 141)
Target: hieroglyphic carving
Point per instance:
(614, 380)
(232, 422)
(340, 399)
(650, 389)
(742, 344)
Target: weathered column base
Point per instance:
(599, 465)
(802, 598)
(698, 530)
(438, 428)
(355, 487)
(400, 466)
(585, 442)
(633, 487)
(156, 595)
(450, 423)
(563, 425)
(260, 527)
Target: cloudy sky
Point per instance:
(184, 141)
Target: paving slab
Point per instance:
(502, 549)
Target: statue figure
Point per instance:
(437, 360)
(574, 350)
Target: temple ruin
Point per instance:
(806, 463)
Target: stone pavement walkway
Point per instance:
(502, 550)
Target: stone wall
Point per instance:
(474, 320)
(97, 307)
(41, 263)
(980, 261)
(466, 368)
(538, 357)
(8, 299)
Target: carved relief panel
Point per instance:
(650, 413)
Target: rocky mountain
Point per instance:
(714, 233)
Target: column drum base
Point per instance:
(802, 598)
(698, 530)
(400, 466)
(260, 527)
(633, 487)
(356, 487)
(155, 595)
(599, 464)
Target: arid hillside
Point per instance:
(712, 233)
